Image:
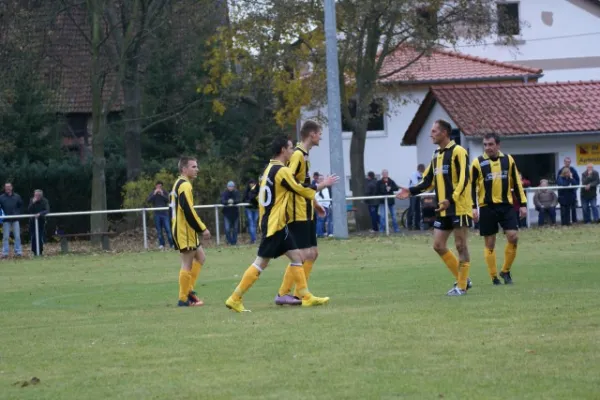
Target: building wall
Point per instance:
(425, 147)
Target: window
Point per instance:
(428, 19)
(508, 19)
(535, 167)
(376, 116)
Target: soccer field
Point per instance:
(106, 326)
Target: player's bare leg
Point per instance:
(464, 262)
(440, 245)
(185, 278)
(490, 258)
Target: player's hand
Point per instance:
(321, 212)
(475, 215)
(523, 212)
(403, 194)
(331, 180)
(206, 234)
(443, 205)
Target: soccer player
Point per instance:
(187, 227)
(301, 210)
(448, 172)
(277, 188)
(494, 174)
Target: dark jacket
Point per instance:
(251, 196)
(387, 189)
(575, 180)
(566, 197)
(159, 200)
(11, 205)
(231, 212)
(593, 180)
(41, 207)
(371, 190)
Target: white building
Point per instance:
(540, 124)
(559, 36)
(382, 149)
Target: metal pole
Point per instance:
(528, 213)
(217, 225)
(37, 237)
(385, 212)
(336, 150)
(145, 229)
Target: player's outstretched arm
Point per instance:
(425, 185)
(186, 203)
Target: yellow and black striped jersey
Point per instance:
(278, 188)
(300, 208)
(448, 172)
(494, 179)
(185, 222)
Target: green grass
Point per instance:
(105, 326)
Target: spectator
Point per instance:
(251, 197)
(371, 190)
(39, 206)
(315, 180)
(591, 180)
(545, 202)
(575, 179)
(324, 199)
(413, 219)
(231, 213)
(566, 197)
(160, 198)
(11, 203)
(386, 186)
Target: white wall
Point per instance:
(580, 74)
(425, 146)
(382, 148)
(570, 35)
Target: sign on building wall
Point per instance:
(588, 153)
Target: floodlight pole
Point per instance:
(336, 149)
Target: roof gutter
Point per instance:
(431, 82)
(536, 135)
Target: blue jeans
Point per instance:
(374, 217)
(16, 229)
(587, 205)
(252, 217)
(231, 230)
(162, 222)
(546, 212)
(321, 221)
(392, 209)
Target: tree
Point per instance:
(369, 33)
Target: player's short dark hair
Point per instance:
(494, 136)
(309, 127)
(444, 125)
(278, 144)
(184, 161)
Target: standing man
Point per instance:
(373, 204)
(251, 197)
(187, 228)
(38, 206)
(385, 187)
(590, 179)
(160, 198)
(301, 212)
(414, 211)
(570, 193)
(494, 176)
(231, 212)
(11, 204)
(449, 174)
(276, 186)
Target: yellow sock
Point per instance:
(490, 260)
(300, 280)
(510, 252)
(463, 275)
(250, 276)
(287, 283)
(196, 267)
(185, 279)
(451, 262)
(307, 266)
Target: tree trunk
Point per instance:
(98, 222)
(358, 176)
(132, 112)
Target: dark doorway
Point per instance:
(536, 167)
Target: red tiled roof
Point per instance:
(444, 65)
(512, 109)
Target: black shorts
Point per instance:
(304, 233)
(492, 216)
(452, 222)
(277, 244)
